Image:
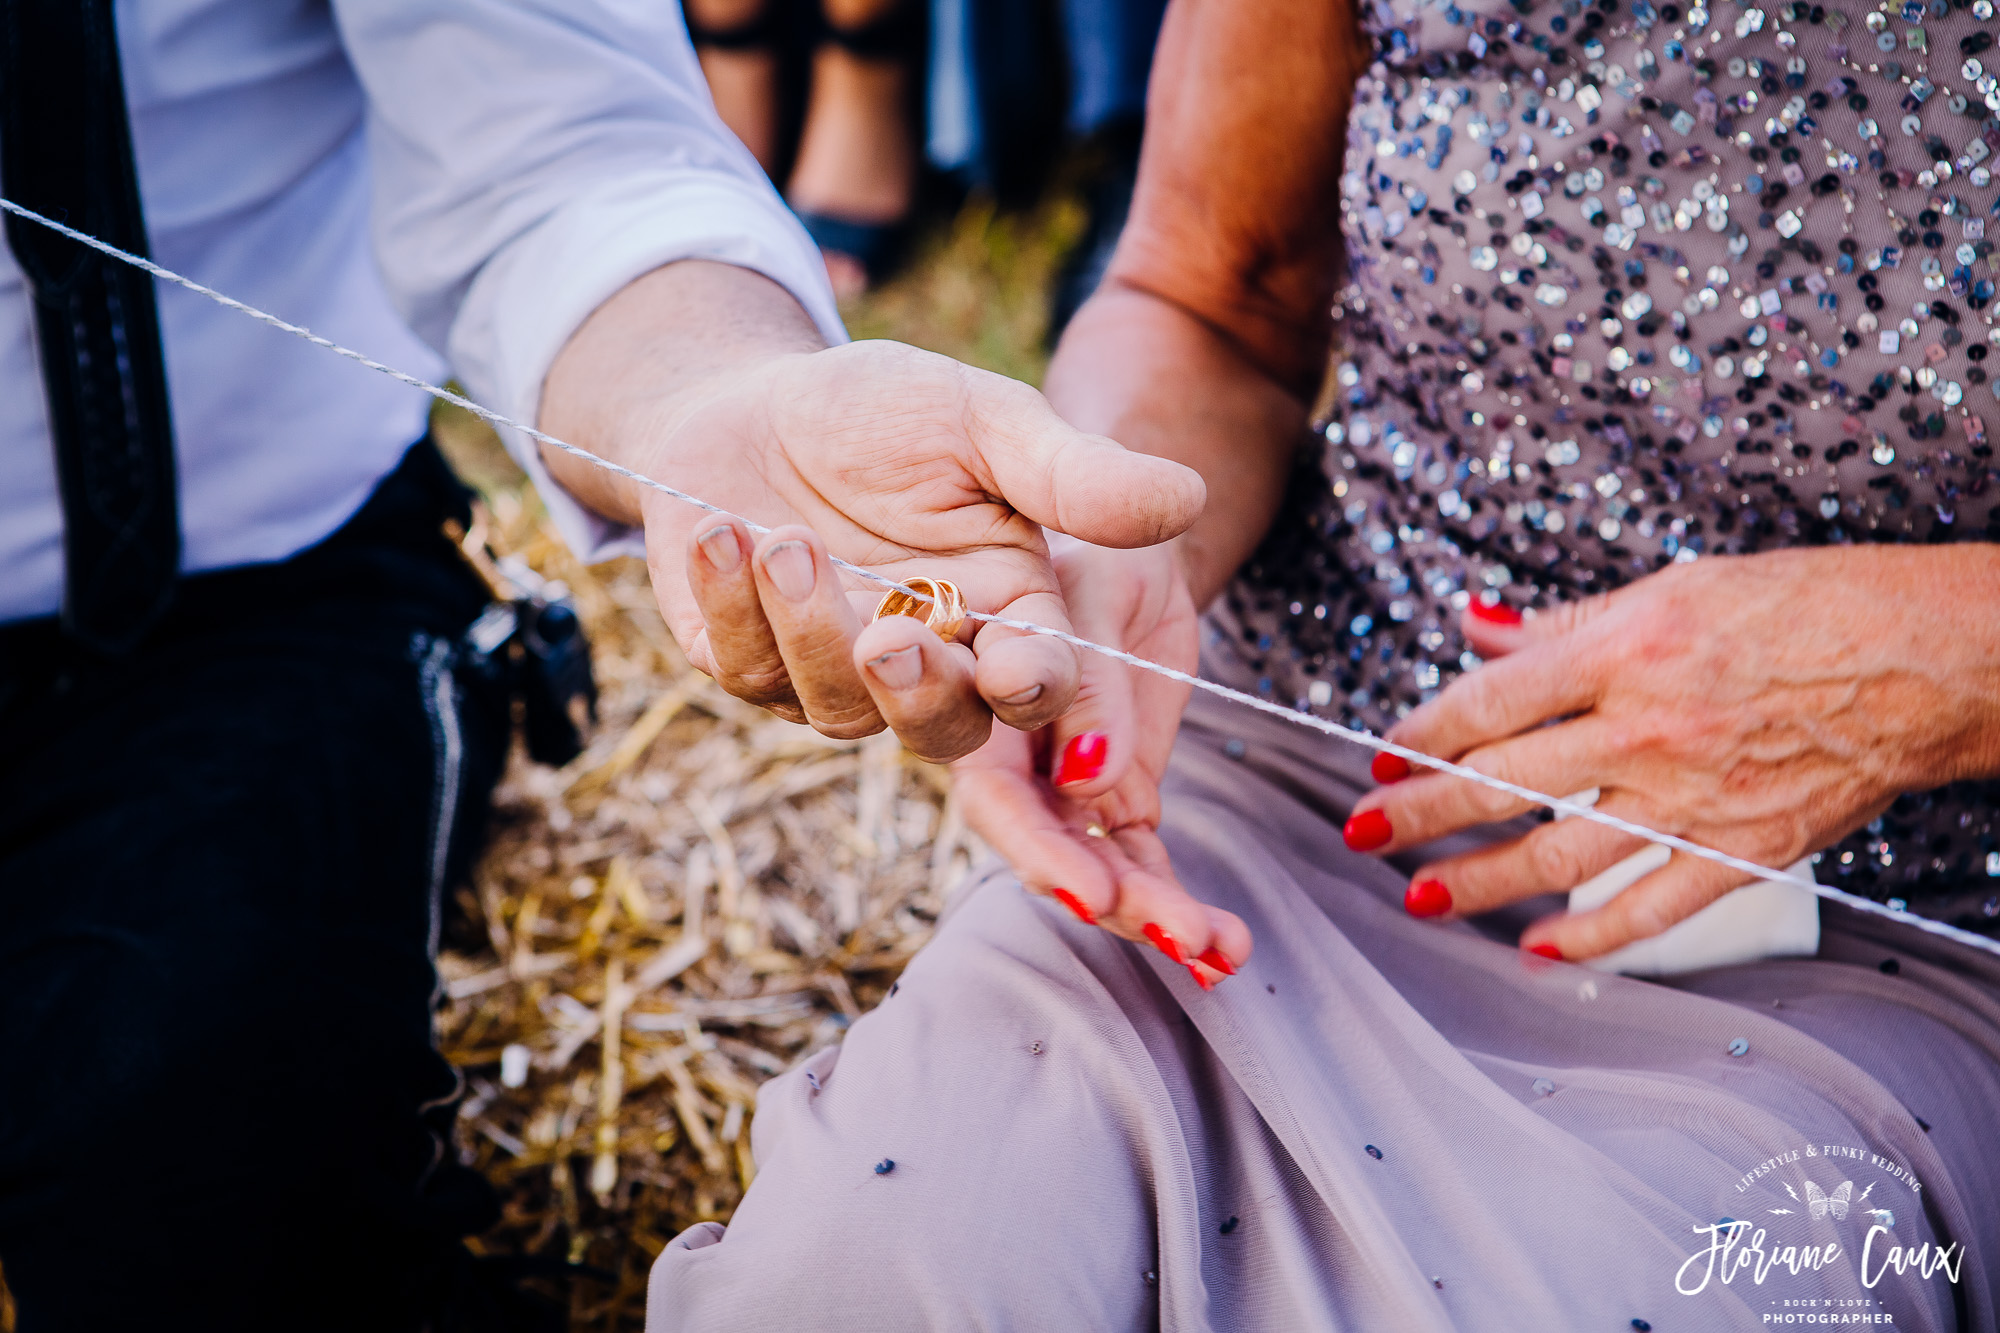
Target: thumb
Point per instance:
(1088, 486)
(1122, 598)
(1091, 747)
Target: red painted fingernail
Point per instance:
(1427, 897)
(1495, 613)
(1082, 759)
(1199, 979)
(1166, 944)
(1548, 951)
(1367, 831)
(1074, 904)
(1389, 767)
(1213, 957)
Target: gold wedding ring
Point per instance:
(943, 615)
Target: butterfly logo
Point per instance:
(1819, 1203)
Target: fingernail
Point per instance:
(1548, 951)
(1200, 978)
(1367, 831)
(1213, 957)
(1389, 767)
(1082, 759)
(719, 548)
(789, 566)
(899, 668)
(1495, 613)
(1027, 696)
(1427, 897)
(1076, 905)
(1166, 943)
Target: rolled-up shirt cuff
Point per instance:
(537, 291)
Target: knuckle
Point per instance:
(786, 708)
(1668, 625)
(1645, 915)
(1033, 714)
(1483, 704)
(1554, 860)
(1759, 827)
(1637, 733)
(763, 686)
(1028, 720)
(1491, 805)
(1620, 653)
(1487, 801)
(957, 744)
(849, 727)
(1140, 806)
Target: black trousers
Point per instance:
(221, 861)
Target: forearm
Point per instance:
(1236, 216)
(1210, 334)
(1152, 376)
(649, 355)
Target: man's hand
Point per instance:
(710, 378)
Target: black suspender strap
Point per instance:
(66, 151)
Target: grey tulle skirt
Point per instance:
(1380, 1124)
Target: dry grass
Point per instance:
(702, 898)
(978, 287)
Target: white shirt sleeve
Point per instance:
(531, 157)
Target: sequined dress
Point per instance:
(1635, 284)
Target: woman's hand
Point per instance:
(1038, 796)
(1763, 705)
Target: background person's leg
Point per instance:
(854, 183)
(221, 1107)
(738, 43)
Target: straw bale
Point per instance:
(703, 898)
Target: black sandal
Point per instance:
(897, 35)
(761, 33)
(879, 247)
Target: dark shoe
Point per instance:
(879, 247)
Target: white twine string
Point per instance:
(1372, 742)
